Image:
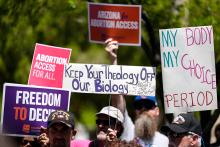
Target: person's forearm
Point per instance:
(118, 101)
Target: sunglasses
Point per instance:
(147, 105)
(105, 122)
(25, 142)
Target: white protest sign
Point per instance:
(109, 79)
(188, 68)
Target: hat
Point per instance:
(60, 116)
(112, 112)
(150, 98)
(184, 123)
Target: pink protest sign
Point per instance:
(47, 65)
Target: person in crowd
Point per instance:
(147, 112)
(184, 131)
(108, 127)
(217, 136)
(60, 130)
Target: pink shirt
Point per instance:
(80, 143)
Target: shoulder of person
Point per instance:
(161, 137)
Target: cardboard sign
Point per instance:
(188, 67)
(109, 79)
(120, 22)
(47, 65)
(29, 107)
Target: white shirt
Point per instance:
(128, 133)
(159, 140)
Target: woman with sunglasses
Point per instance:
(108, 128)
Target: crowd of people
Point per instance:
(114, 127)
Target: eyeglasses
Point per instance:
(105, 122)
(147, 105)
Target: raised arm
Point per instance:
(117, 100)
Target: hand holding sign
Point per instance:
(111, 48)
(43, 138)
(112, 134)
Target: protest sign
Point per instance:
(29, 107)
(120, 22)
(109, 79)
(188, 68)
(47, 65)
